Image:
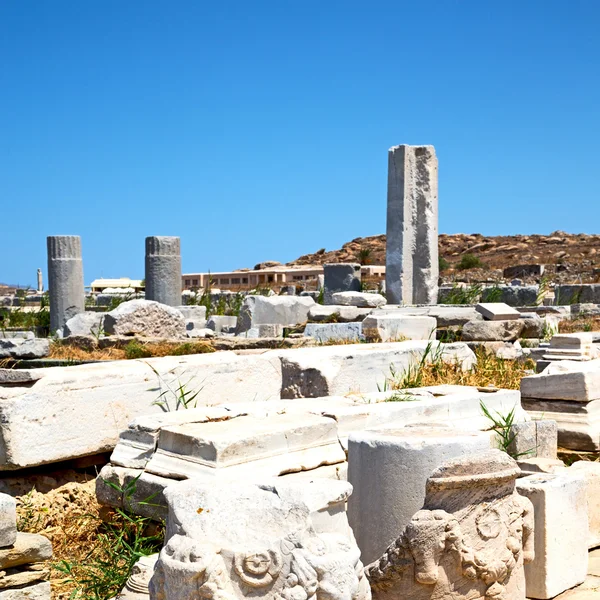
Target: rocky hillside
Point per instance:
(475, 257)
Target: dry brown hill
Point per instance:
(568, 257)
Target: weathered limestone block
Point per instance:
(163, 270)
(246, 447)
(446, 316)
(327, 332)
(85, 323)
(264, 541)
(8, 520)
(359, 299)
(273, 310)
(469, 542)
(16, 376)
(37, 591)
(65, 279)
(561, 532)
(591, 472)
(513, 295)
(145, 318)
(388, 469)
(564, 380)
(81, 410)
(390, 327)
(490, 331)
(337, 370)
(222, 323)
(342, 314)
(27, 548)
(497, 311)
(195, 319)
(534, 439)
(412, 266)
(138, 442)
(576, 294)
(340, 277)
(24, 349)
(578, 423)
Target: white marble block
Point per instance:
(388, 468)
(497, 311)
(561, 533)
(591, 472)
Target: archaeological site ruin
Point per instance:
(342, 429)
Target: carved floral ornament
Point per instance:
(471, 545)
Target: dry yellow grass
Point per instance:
(489, 371)
(82, 535)
(135, 349)
(579, 324)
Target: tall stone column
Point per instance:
(40, 281)
(412, 266)
(65, 279)
(163, 269)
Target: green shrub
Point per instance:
(443, 263)
(192, 348)
(464, 295)
(470, 261)
(136, 350)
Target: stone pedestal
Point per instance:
(561, 533)
(163, 270)
(388, 469)
(412, 266)
(469, 542)
(340, 277)
(65, 279)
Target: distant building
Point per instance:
(246, 279)
(98, 285)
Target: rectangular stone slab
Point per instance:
(28, 548)
(138, 442)
(497, 311)
(281, 443)
(578, 423)
(580, 386)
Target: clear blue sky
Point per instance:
(259, 130)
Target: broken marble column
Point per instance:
(273, 540)
(412, 266)
(40, 281)
(340, 277)
(388, 468)
(470, 540)
(65, 279)
(163, 269)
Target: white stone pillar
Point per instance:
(65, 279)
(388, 469)
(412, 266)
(40, 281)
(163, 270)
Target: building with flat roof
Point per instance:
(277, 276)
(122, 282)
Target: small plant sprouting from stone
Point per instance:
(412, 376)
(493, 294)
(543, 289)
(502, 427)
(175, 398)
